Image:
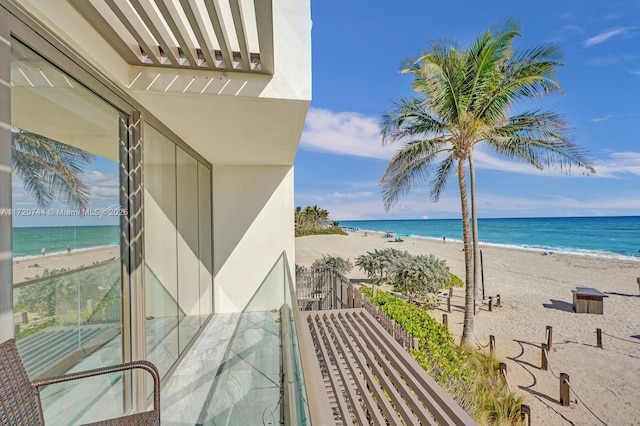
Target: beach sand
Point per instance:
(26, 268)
(535, 292)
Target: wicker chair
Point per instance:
(20, 398)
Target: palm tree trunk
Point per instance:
(474, 231)
(468, 330)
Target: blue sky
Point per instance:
(358, 47)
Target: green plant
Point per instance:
(34, 328)
(417, 276)
(495, 404)
(378, 263)
(454, 281)
(337, 263)
(472, 378)
(332, 230)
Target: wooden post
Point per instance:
(638, 279)
(599, 337)
(549, 337)
(474, 306)
(25, 318)
(525, 414)
(503, 371)
(449, 299)
(350, 296)
(498, 300)
(564, 389)
(416, 343)
(543, 357)
(490, 303)
(334, 289)
(374, 290)
(445, 320)
(492, 343)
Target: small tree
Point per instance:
(420, 275)
(378, 264)
(337, 263)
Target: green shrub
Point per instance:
(472, 378)
(454, 281)
(438, 352)
(333, 262)
(332, 230)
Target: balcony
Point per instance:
(314, 355)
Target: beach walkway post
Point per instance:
(564, 389)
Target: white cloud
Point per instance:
(610, 116)
(361, 194)
(602, 37)
(351, 133)
(105, 188)
(603, 118)
(488, 161)
(618, 163)
(348, 133)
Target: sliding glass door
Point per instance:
(177, 248)
(66, 215)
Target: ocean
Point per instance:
(615, 236)
(28, 241)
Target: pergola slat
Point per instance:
(155, 27)
(393, 384)
(362, 376)
(379, 376)
(218, 27)
(186, 33)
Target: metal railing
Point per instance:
(320, 289)
(301, 370)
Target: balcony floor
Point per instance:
(230, 376)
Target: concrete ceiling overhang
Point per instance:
(232, 112)
(233, 130)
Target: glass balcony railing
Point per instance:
(69, 321)
(260, 378)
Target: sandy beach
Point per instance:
(535, 292)
(30, 267)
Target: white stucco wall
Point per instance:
(252, 226)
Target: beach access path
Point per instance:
(535, 292)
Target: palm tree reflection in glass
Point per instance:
(50, 170)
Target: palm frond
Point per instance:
(409, 166)
(50, 170)
(540, 139)
(410, 118)
(439, 182)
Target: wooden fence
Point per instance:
(320, 289)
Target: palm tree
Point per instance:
(50, 170)
(464, 98)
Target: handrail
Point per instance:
(64, 273)
(318, 402)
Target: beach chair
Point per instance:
(20, 398)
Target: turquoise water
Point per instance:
(617, 236)
(28, 241)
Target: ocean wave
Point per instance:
(528, 247)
